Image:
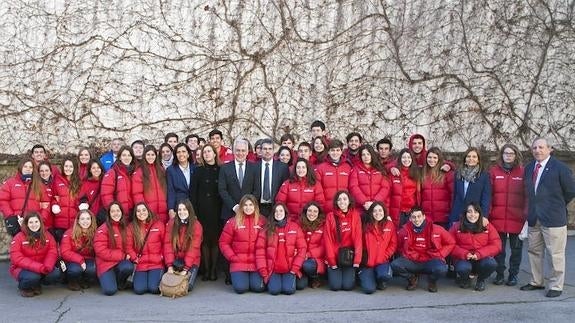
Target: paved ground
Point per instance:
(215, 302)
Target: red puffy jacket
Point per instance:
(32, 257)
(238, 244)
(107, 256)
(316, 247)
(90, 193)
(508, 203)
(369, 185)
(68, 203)
(266, 249)
(434, 242)
(225, 154)
(380, 243)
(191, 256)
(333, 178)
(76, 252)
(411, 191)
(13, 195)
(117, 186)
(437, 197)
(152, 253)
(351, 235)
(295, 195)
(154, 196)
(484, 244)
(395, 199)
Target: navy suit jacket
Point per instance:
(280, 173)
(229, 186)
(478, 192)
(177, 187)
(556, 188)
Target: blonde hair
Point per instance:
(240, 212)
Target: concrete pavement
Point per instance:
(215, 302)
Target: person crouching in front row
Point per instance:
(423, 247)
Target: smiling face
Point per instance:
(68, 168)
(126, 157)
(166, 153)
(312, 213)
(378, 213)
(279, 213)
(267, 151)
(248, 207)
(142, 213)
(84, 156)
(27, 168)
(540, 150)
(115, 213)
(96, 170)
(417, 145)
(38, 154)
(150, 157)
(417, 218)
(432, 159)
(172, 141)
(241, 152)
(183, 212)
(472, 214)
(318, 145)
(45, 171)
(472, 159)
(138, 150)
(182, 155)
(343, 202)
(335, 153)
(284, 156)
(85, 220)
(365, 157)
(33, 224)
(508, 155)
(354, 143)
(301, 169)
(406, 159)
(384, 151)
(208, 155)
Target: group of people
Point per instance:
(282, 220)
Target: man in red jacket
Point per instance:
(423, 247)
(333, 174)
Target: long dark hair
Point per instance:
(282, 148)
(132, 165)
(123, 226)
(35, 184)
(157, 165)
(89, 170)
(74, 180)
(189, 228)
(42, 231)
(466, 226)
(375, 162)
(308, 225)
(310, 176)
(137, 233)
(413, 168)
(435, 173)
(320, 156)
(272, 223)
(336, 197)
(370, 222)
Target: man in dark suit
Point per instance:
(549, 186)
(237, 179)
(271, 175)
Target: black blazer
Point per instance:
(280, 173)
(229, 186)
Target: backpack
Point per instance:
(174, 285)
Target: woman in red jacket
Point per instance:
(89, 195)
(111, 247)
(238, 244)
(319, 150)
(342, 235)
(380, 243)
(368, 181)
(182, 242)
(507, 210)
(312, 223)
(301, 188)
(149, 184)
(475, 247)
(45, 174)
(33, 256)
(117, 183)
(436, 188)
(280, 252)
(77, 250)
(83, 159)
(145, 249)
(410, 183)
(66, 191)
(21, 194)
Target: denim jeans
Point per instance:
(117, 275)
(309, 270)
(369, 277)
(147, 281)
(243, 281)
(341, 278)
(28, 280)
(75, 272)
(483, 267)
(282, 283)
(435, 268)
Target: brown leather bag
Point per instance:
(174, 285)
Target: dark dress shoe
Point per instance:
(480, 285)
(228, 281)
(512, 280)
(553, 293)
(500, 279)
(531, 287)
(205, 278)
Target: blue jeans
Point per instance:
(76, 273)
(369, 277)
(434, 268)
(341, 278)
(243, 281)
(309, 270)
(483, 267)
(117, 275)
(516, 246)
(282, 283)
(28, 280)
(147, 281)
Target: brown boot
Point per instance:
(37, 290)
(315, 283)
(27, 293)
(74, 285)
(432, 286)
(411, 283)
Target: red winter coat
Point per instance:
(296, 194)
(106, 256)
(90, 193)
(68, 203)
(152, 253)
(155, 197)
(351, 235)
(225, 155)
(191, 256)
(266, 249)
(13, 195)
(82, 171)
(369, 185)
(436, 198)
(395, 199)
(47, 195)
(333, 179)
(122, 192)
(238, 244)
(438, 241)
(380, 243)
(410, 191)
(32, 257)
(508, 202)
(484, 244)
(316, 247)
(71, 251)
(420, 159)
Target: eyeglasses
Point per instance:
(507, 153)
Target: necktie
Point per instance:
(535, 173)
(267, 194)
(241, 174)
